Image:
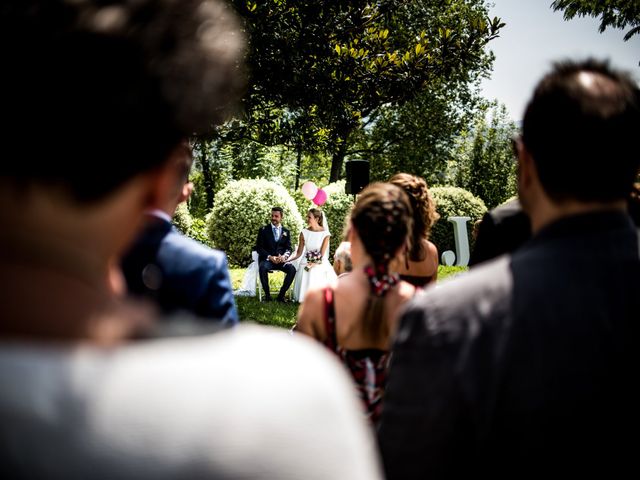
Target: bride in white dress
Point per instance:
(313, 240)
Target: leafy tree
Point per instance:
(223, 158)
(322, 70)
(612, 13)
(416, 138)
(211, 171)
(483, 161)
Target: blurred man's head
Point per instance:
(276, 216)
(95, 92)
(581, 129)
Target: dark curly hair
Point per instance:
(424, 211)
(382, 217)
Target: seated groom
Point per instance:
(274, 247)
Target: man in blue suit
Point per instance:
(274, 248)
(175, 271)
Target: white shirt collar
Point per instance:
(159, 214)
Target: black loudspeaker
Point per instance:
(357, 176)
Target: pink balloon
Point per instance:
(320, 197)
(309, 190)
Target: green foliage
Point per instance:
(612, 13)
(483, 161)
(215, 172)
(241, 208)
(453, 202)
(195, 228)
(416, 138)
(182, 218)
(322, 70)
(301, 202)
(198, 199)
(198, 231)
(336, 208)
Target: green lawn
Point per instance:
(284, 315)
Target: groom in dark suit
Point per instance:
(274, 248)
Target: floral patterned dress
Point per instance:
(368, 367)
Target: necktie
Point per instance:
(276, 233)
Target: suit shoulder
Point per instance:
(464, 304)
(183, 246)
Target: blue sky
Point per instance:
(535, 36)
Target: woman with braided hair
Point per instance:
(419, 264)
(356, 316)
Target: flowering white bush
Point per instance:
(241, 208)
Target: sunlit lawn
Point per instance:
(284, 315)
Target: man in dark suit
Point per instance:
(502, 230)
(274, 248)
(175, 271)
(524, 367)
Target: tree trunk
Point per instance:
(336, 162)
(298, 167)
(209, 182)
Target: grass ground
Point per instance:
(284, 315)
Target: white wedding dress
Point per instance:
(318, 275)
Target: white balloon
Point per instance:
(309, 190)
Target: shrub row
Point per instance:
(243, 206)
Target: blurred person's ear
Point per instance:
(526, 170)
(166, 182)
(187, 190)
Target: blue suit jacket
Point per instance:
(266, 245)
(180, 273)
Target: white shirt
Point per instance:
(277, 231)
(199, 407)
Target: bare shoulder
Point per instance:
(405, 291)
(432, 250)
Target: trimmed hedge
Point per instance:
(454, 202)
(241, 208)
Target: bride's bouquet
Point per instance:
(313, 257)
